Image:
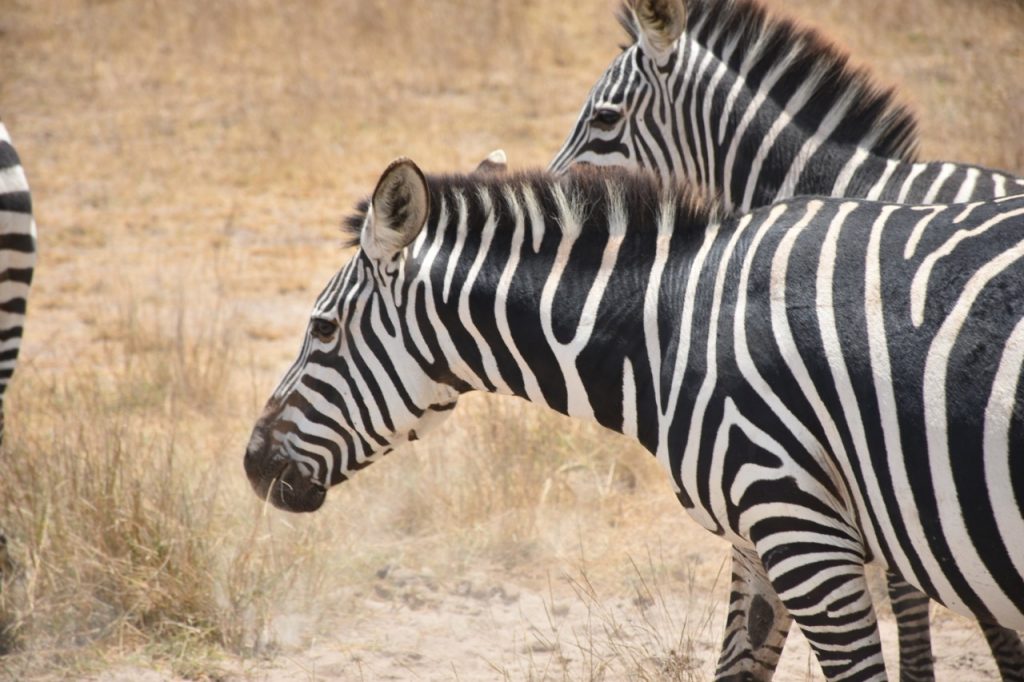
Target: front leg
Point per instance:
(756, 625)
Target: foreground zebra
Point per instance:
(757, 110)
(816, 415)
(17, 259)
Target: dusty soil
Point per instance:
(489, 624)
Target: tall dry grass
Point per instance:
(134, 531)
(190, 162)
(119, 524)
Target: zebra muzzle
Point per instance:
(294, 490)
(282, 481)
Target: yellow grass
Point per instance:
(190, 162)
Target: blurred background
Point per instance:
(190, 163)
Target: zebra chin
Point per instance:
(281, 481)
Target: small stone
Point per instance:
(539, 647)
(509, 594)
(402, 577)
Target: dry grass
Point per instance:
(646, 637)
(190, 162)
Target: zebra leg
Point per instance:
(1007, 650)
(910, 607)
(756, 625)
(824, 588)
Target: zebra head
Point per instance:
(359, 387)
(608, 132)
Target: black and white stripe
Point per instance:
(756, 109)
(817, 412)
(17, 259)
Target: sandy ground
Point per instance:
(414, 625)
(645, 616)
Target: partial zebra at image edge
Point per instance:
(18, 244)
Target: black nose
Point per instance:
(259, 464)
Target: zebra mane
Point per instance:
(352, 225)
(587, 190)
(875, 114)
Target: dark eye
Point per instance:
(606, 118)
(324, 329)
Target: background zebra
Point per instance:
(17, 259)
(754, 110)
(792, 419)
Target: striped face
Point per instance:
(602, 135)
(622, 121)
(358, 388)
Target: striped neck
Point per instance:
(536, 286)
(788, 106)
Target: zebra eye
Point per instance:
(324, 329)
(606, 118)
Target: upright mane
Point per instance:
(888, 127)
(587, 189)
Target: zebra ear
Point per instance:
(661, 23)
(496, 163)
(400, 206)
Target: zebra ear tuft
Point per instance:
(496, 163)
(399, 209)
(661, 23)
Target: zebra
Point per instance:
(755, 109)
(795, 401)
(17, 259)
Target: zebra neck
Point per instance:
(567, 315)
(757, 130)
